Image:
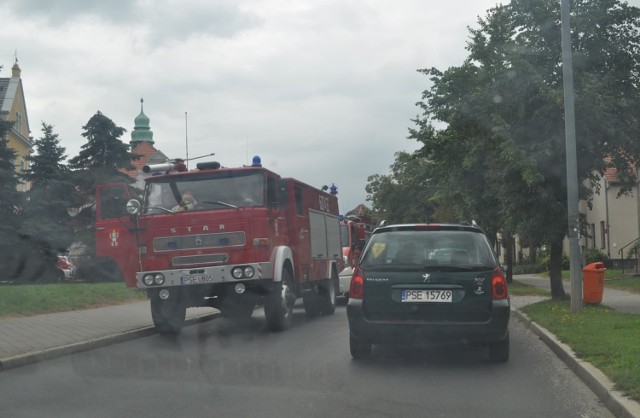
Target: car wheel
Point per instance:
(168, 315)
(278, 304)
(360, 348)
(499, 350)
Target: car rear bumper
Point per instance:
(380, 331)
(345, 280)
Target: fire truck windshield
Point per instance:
(205, 191)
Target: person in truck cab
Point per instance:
(188, 202)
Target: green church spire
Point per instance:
(141, 130)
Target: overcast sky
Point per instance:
(324, 90)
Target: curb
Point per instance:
(51, 353)
(601, 385)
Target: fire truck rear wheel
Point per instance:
(327, 296)
(278, 304)
(168, 315)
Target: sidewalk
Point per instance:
(25, 340)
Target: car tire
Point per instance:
(360, 348)
(278, 304)
(499, 350)
(168, 315)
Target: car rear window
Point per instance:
(441, 247)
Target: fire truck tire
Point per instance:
(327, 296)
(310, 301)
(278, 304)
(168, 315)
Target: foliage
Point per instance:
(11, 201)
(404, 195)
(593, 255)
(529, 268)
(47, 228)
(101, 160)
(499, 157)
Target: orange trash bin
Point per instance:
(593, 282)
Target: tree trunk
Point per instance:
(555, 271)
(508, 256)
(533, 251)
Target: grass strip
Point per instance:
(25, 300)
(517, 288)
(599, 335)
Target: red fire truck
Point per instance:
(355, 232)
(229, 238)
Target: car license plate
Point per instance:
(442, 296)
(196, 278)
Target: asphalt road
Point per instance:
(223, 369)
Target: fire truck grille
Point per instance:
(189, 242)
(199, 259)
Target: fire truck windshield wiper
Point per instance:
(159, 208)
(221, 203)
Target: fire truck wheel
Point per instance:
(327, 296)
(278, 304)
(310, 301)
(168, 315)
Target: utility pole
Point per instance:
(572, 165)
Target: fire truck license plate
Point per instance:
(445, 296)
(196, 278)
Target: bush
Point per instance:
(546, 258)
(529, 268)
(594, 255)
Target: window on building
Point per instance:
(592, 235)
(603, 242)
(18, 122)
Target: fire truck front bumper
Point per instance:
(204, 275)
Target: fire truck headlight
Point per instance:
(148, 279)
(133, 207)
(237, 273)
(249, 272)
(163, 294)
(158, 279)
(240, 288)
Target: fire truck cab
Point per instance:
(355, 232)
(229, 238)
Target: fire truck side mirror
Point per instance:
(133, 207)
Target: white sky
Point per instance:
(323, 90)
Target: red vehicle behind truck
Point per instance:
(229, 238)
(355, 232)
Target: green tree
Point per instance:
(101, 160)
(502, 112)
(47, 224)
(403, 195)
(11, 201)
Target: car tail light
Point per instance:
(356, 289)
(498, 284)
